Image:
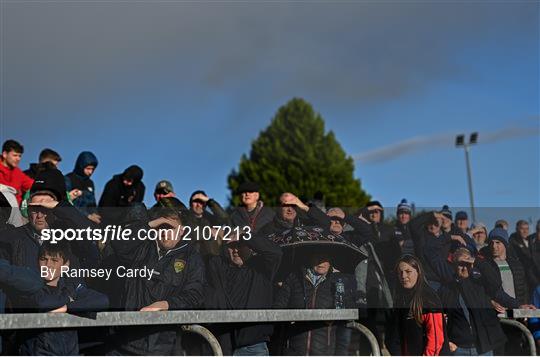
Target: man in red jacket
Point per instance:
(10, 174)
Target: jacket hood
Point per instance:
(84, 159)
(133, 172)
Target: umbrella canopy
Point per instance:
(299, 244)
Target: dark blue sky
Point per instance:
(182, 88)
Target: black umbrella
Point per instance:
(299, 244)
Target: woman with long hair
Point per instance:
(417, 324)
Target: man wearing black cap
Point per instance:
(121, 191)
(462, 221)
(252, 213)
(48, 208)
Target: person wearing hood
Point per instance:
(242, 278)
(479, 233)
(80, 180)
(48, 159)
(252, 212)
(121, 190)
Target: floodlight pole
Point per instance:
(469, 180)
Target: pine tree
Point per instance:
(294, 154)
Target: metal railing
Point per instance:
(189, 321)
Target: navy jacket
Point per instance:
(59, 342)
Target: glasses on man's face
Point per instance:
(287, 205)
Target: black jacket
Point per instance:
(78, 180)
(21, 245)
(298, 292)
(431, 250)
(483, 329)
(406, 337)
(60, 342)
(116, 194)
(534, 247)
(240, 217)
(179, 280)
(402, 233)
(248, 287)
(218, 217)
(525, 255)
(521, 288)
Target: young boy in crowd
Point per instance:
(60, 294)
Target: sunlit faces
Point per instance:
(375, 215)
(498, 250)
(54, 264)
(404, 217)
(407, 275)
(38, 215)
(89, 170)
(336, 220)
(480, 236)
(239, 253)
(11, 158)
(288, 213)
(523, 230)
(462, 224)
(446, 223)
(198, 207)
(250, 199)
(168, 237)
(434, 227)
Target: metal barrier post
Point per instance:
(376, 351)
(207, 335)
(525, 330)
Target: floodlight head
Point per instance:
(460, 140)
(473, 139)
